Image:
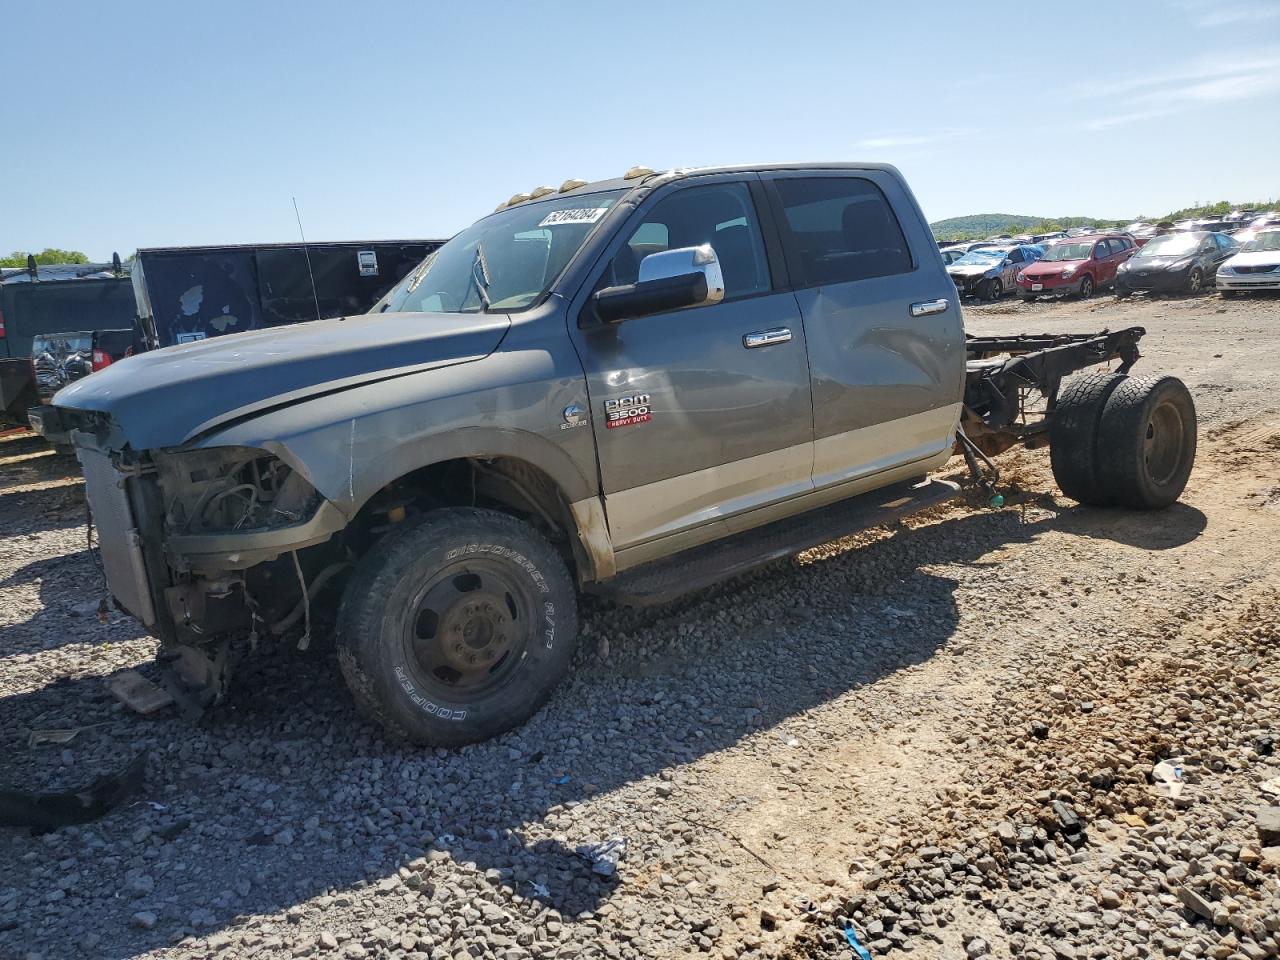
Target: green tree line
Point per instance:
(48, 255)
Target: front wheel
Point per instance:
(1195, 280)
(457, 627)
(995, 289)
(1227, 294)
(1086, 287)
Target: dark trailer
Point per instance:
(47, 299)
(190, 293)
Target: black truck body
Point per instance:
(193, 293)
(59, 297)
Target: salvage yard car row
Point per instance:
(1182, 261)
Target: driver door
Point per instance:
(701, 415)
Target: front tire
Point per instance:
(457, 627)
(994, 290)
(1147, 442)
(1086, 287)
(1227, 294)
(1195, 280)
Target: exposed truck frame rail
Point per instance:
(1004, 375)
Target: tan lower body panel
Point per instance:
(685, 511)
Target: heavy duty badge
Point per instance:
(625, 411)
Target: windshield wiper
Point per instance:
(480, 275)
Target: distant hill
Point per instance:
(986, 224)
(983, 223)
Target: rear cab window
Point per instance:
(840, 229)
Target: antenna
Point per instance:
(307, 253)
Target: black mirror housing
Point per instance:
(626, 302)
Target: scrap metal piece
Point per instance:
(44, 812)
(138, 693)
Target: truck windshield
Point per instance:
(504, 262)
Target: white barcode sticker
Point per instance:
(583, 215)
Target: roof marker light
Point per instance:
(573, 183)
(537, 192)
(637, 172)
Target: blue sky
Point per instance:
(146, 124)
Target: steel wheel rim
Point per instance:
(467, 629)
(1195, 281)
(1162, 443)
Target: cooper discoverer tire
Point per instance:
(1147, 442)
(1073, 436)
(457, 627)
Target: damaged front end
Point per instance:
(202, 546)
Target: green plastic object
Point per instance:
(996, 501)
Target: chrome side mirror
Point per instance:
(668, 280)
(683, 261)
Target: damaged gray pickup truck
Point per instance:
(633, 387)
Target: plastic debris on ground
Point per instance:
(1167, 775)
(851, 935)
(603, 856)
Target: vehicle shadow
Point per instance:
(283, 794)
(1174, 526)
(25, 511)
(69, 588)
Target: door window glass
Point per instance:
(721, 215)
(842, 228)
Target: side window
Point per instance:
(1101, 249)
(721, 215)
(1015, 255)
(841, 229)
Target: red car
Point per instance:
(1076, 266)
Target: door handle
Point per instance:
(926, 307)
(766, 338)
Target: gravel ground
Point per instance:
(942, 731)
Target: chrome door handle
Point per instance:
(766, 338)
(926, 307)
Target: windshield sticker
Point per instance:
(626, 411)
(583, 215)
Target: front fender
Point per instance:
(349, 445)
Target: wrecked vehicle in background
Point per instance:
(636, 387)
(42, 299)
(1184, 262)
(62, 358)
(192, 293)
(1255, 266)
(1076, 266)
(990, 272)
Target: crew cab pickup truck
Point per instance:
(632, 387)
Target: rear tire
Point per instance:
(1073, 436)
(1147, 442)
(457, 627)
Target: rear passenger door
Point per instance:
(1104, 253)
(881, 317)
